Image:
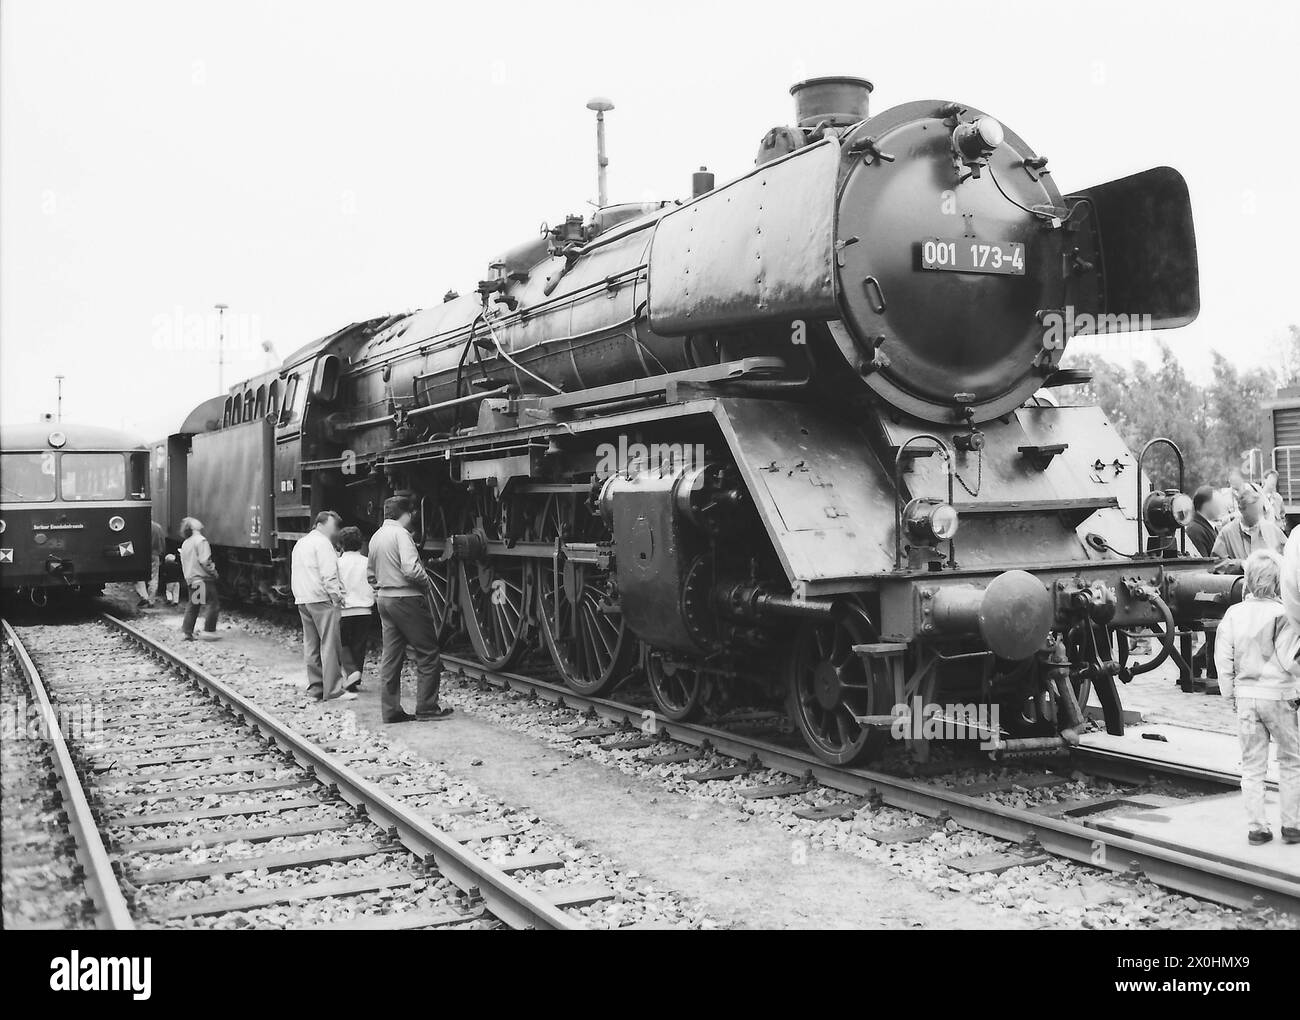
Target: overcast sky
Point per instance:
(313, 164)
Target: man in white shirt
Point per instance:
(314, 576)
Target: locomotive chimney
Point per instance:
(701, 182)
(840, 101)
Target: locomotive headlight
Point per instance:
(116, 523)
(990, 132)
(929, 521)
(977, 139)
(2, 525)
(1166, 512)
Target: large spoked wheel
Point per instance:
(442, 601)
(591, 646)
(495, 593)
(678, 688)
(830, 687)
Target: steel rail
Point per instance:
(111, 910)
(512, 902)
(1117, 765)
(1173, 869)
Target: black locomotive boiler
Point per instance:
(786, 439)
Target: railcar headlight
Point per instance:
(57, 440)
(929, 521)
(2, 525)
(1166, 512)
(116, 523)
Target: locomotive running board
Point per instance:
(665, 385)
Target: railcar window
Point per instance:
(248, 405)
(84, 476)
(26, 477)
(261, 402)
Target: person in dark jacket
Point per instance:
(1202, 532)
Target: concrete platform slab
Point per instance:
(1210, 827)
(1162, 743)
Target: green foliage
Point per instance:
(1213, 424)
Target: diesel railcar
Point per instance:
(74, 510)
(778, 441)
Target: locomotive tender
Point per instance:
(786, 439)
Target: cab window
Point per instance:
(26, 477)
(295, 397)
(138, 475)
(86, 476)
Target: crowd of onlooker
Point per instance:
(1254, 654)
(339, 592)
(1234, 521)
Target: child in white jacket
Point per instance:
(1255, 650)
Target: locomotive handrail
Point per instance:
(1182, 471)
(454, 401)
(898, 492)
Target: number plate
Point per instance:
(967, 255)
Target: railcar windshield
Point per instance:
(86, 476)
(27, 477)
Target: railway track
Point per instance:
(57, 872)
(1031, 833)
(188, 805)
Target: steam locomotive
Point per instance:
(790, 439)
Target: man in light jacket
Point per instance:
(314, 576)
(200, 575)
(403, 587)
(1248, 533)
(1256, 653)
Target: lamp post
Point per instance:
(600, 104)
(221, 347)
